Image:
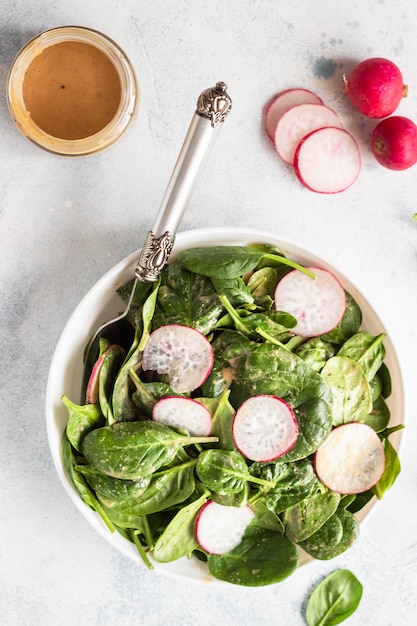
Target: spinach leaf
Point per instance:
(263, 557)
(262, 283)
(137, 298)
(314, 425)
(316, 352)
(274, 370)
(368, 351)
(334, 600)
(380, 415)
(234, 289)
(349, 325)
(223, 414)
(265, 518)
(351, 394)
(237, 498)
(147, 394)
(391, 470)
(124, 409)
(131, 450)
(295, 483)
(186, 298)
(178, 538)
(335, 536)
(81, 420)
(113, 488)
(306, 517)
(225, 471)
(112, 361)
(273, 325)
(165, 490)
(360, 501)
(229, 261)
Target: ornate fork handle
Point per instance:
(213, 106)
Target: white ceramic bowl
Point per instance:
(102, 304)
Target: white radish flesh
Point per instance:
(264, 428)
(183, 413)
(182, 353)
(298, 122)
(327, 160)
(318, 304)
(220, 528)
(284, 101)
(351, 460)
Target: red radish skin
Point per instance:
(375, 87)
(327, 160)
(298, 122)
(394, 143)
(182, 353)
(220, 528)
(351, 460)
(284, 101)
(264, 428)
(185, 413)
(318, 304)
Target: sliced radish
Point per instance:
(318, 304)
(327, 160)
(183, 413)
(220, 528)
(182, 353)
(351, 460)
(284, 101)
(298, 122)
(264, 428)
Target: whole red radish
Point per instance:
(394, 142)
(375, 87)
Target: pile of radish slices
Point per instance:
(309, 136)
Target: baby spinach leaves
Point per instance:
(334, 600)
(148, 481)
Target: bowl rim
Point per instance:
(65, 371)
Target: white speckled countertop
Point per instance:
(63, 223)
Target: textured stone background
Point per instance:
(64, 223)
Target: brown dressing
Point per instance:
(72, 90)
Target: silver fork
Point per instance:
(213, 106)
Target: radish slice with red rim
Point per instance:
(318, 304)
(264, 428)
(298, 122)
(220, 528)
(351, 460)
(182, 353)
(183, 413)
(284, 101)
(327, 160)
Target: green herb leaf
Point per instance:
(335, 599)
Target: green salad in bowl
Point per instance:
(250, 424)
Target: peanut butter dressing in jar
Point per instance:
(72, 91)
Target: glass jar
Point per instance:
(72, 91)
